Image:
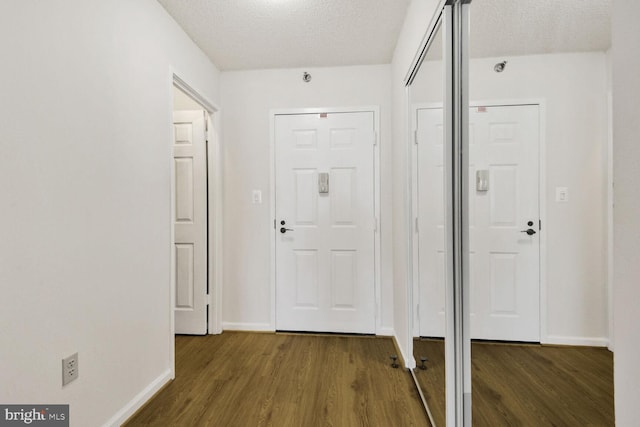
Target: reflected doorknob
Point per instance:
(529, 231)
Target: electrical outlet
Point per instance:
(69, 369)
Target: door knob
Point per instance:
(284, 230)
(529, 231)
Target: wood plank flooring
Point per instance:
(250, 379)
(527, 385)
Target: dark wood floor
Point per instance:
(527, 385)
(249, 379)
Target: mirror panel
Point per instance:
(539, 216)
(538, 135)
(426, 100)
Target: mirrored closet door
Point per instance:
(535, 226)
(436, 218)
(539, 76)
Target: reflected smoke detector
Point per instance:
(499, 67)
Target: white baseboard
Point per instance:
(258, 327)
(385, 331)
(586, 341)
(140, 399)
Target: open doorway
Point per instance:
(190, 207)
(196, 213)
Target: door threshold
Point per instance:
(325, 334)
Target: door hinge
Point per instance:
(375, 138)
(415, 136)
(209, 299)
(416, 225)
(539, 224)
(274, 224)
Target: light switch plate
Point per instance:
(562, 194)
(256, 197)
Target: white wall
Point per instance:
(415, 25)
(85, 117)
(626, 146)
(183, 102)
(574, 90)
(248, 97)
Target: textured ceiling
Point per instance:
(252, 34)
(516, 27)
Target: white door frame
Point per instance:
(610, 205)
(376, 153)
(214, 218)
(542, 206)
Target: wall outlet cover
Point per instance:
(69, 369)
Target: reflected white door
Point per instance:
(430, 221)
(325, 271)
(190, 227)
(504, 258)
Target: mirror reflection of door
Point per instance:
(504, 222)
(539, 89)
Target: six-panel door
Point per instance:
(325, 270)
(190, 226)
(503, 204)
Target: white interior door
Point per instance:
(190, 216)
(504, 258)
(325, 269)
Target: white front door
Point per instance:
(503, 206)
(190, 216)
(325, 225)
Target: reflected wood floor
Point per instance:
(526, 385)
(252, 379)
